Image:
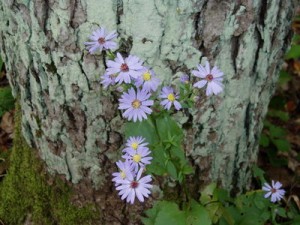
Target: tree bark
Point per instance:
(75, 124)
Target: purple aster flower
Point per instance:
(126, 69)
(274, 191)
(138, 158)
(125, 168)
(148, 79)
(184, 78)
(135, 187)
(213, 78)
(108, 80)
(101, 40)
(136, 104)
(169, 97)
(134, 143)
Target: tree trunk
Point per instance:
(75, 124)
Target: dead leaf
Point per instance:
(7, 123)
(296, 200)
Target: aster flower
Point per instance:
(101, 40)
(108, 80)
(138, 158)
(274, 191)
(125, 168)
(184, 78)
(148, 79)
(169, 97)
(213, 78)
(135, 104)
(134, 143)
(126, 69)
(132, 187)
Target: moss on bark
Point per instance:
(25, 192)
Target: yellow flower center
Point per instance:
(134, 145)
(122, 173)
(136, 104)
(137, 158)
(171, 97)
(147, 76)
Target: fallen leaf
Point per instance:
(7, 123)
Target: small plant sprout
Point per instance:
(169, 97)
(135, 104)
(213, 78)
(126, 69)
(135, 186)
(274, 191)
(101, 40)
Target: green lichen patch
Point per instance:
(25, 192)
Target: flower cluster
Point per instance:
(139, 82)
(129, 181)
(138, 85)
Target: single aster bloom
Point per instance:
(138, 158)
(213, 78)
(125, 168)
(274, 191)
(136, 104)
(169, 97)
(184, 78)
(132, 187)
(128, 68)
(101, 40)
(134, 143)
(148, 80)
(107, 80)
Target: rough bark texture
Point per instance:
(76, 125)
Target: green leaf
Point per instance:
(294, 52)
(197, 215)
(282, 145)
(277, 132)
(145, 129)
(167, 127)
(284, 116)
(169, 213)
(157, 165)
(264, 140)
(187, 169)
(172, 170)
(7, 101)
(258, 172)
(207, 194)
(284, 77)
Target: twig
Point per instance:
(1, 222)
